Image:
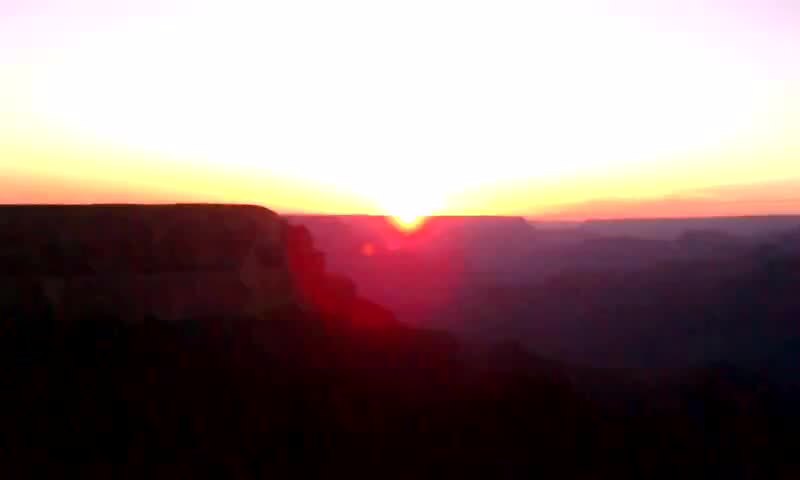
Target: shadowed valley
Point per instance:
(197, 341)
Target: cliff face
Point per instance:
(133, 261)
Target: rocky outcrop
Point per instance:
(170, 262)
(133, 261)
(329, 294)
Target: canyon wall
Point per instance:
(137, 261)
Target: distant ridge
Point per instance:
(673, 227)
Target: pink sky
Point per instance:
(414, 108)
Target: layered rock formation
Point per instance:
(165, 261)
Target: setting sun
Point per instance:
(407, 222)
(407, 199)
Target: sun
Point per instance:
(409, 215)
(407, 222)
(408, 199)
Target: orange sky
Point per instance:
(578, 109)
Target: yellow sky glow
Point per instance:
(412, 108)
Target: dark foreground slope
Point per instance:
(331, 385)
(296, 395)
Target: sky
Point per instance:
(405, 107)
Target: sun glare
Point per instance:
(410, 197)
(407, 222)
(340, 101)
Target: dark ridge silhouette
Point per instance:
(670, 228)
(327, 384)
